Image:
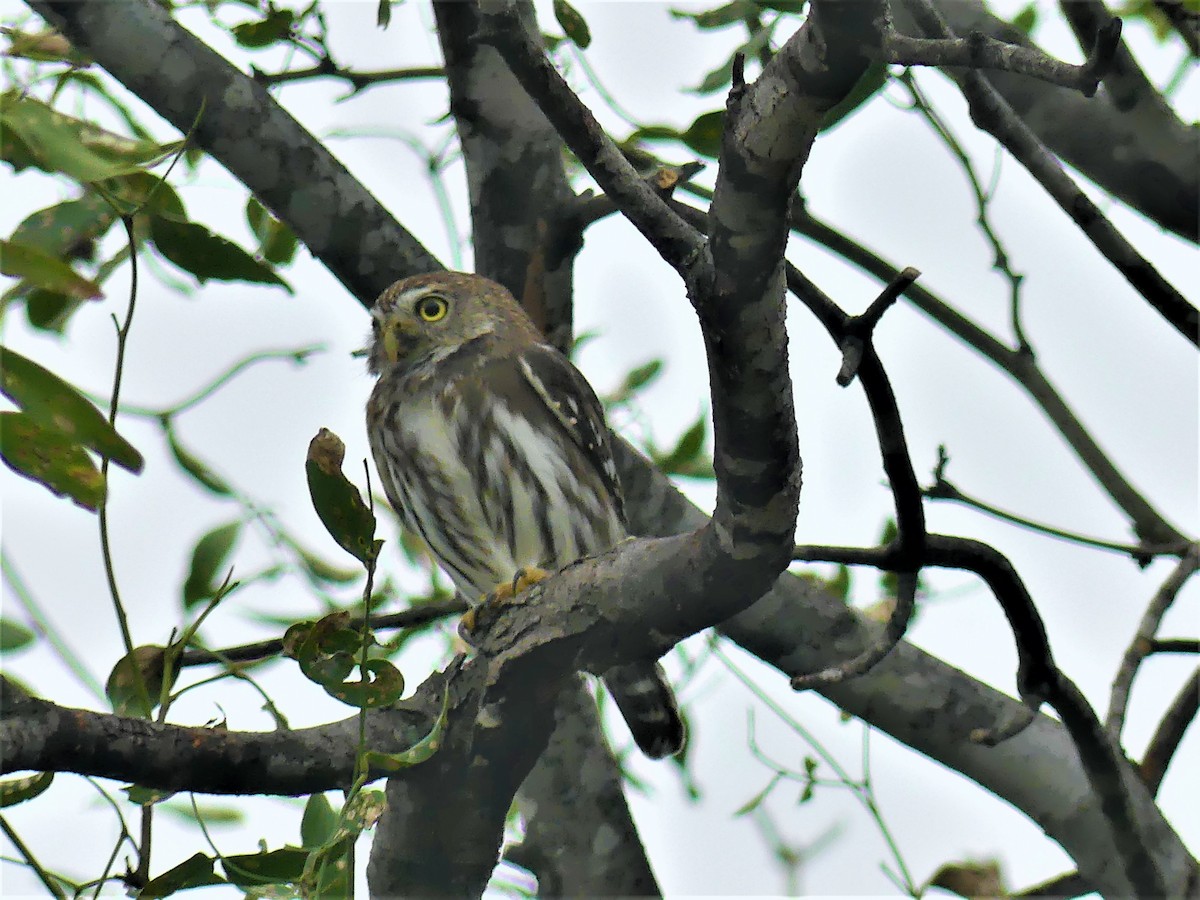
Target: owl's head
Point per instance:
(426, 317)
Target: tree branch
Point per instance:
(991, 113)
(1141, 645)
(514, 169)
(1146, 157)
(250, 134)
(978, 51)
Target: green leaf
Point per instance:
(792, 7)
(135, 684)
(40, 136)
(276, 242)
(637, 379)
(53, 403)
(40, 269)
(319, 824)
(681, 460)
(730, 14)
(283, 866)
(383, 687)
(839, 584)
(18, 790)
(723, 74)
(195, 871)
(208, 562)
(144, 796)
(206, 255)
(52, 458)
(14, 636)
(265, 32)
(66, 229)
(1026, 20)
(43, 46)
(419, 752)
(195, 468)
(337, 502)
(572, 24)
(703, 136)
(383, 15)
(756, 801)
(320, 570)
(205, 812)
(869, 84)
(49, 311)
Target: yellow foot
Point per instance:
(506, 594)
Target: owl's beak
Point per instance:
(397, 339)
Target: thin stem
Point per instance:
(1000, 258)
(944, 490)
(1140, 646)
(299, 356)
(43, 876)
(33, 609)
(122, 339)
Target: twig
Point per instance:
(1151, 527)
(1167, 737)
(1164, 743)
(943, 489)
(1000, 257)
(359, 81)
(30, 860)
(249, 653)
(1124, 79)
(978, 51)
(1140, 647)
(993, 114)
(1175, 645)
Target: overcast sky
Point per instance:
(882, 177)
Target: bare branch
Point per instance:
(1149, 524)
(1169, 734)
(1141, 645)
(358, 81)
(674, 240)
(1147, 160)
(991, 113)
(1124, 79)
(978, 51)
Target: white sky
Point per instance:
(884, 179)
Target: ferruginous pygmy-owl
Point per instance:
(493, 448)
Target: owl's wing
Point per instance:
(573, 403)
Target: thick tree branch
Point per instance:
(39, 735)
(978, 51)
(514, 168)
(919, 700)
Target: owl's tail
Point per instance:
(645, 698)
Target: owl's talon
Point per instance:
(506, 594)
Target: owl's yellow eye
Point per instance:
(432, 308)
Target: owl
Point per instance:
(492, 447)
